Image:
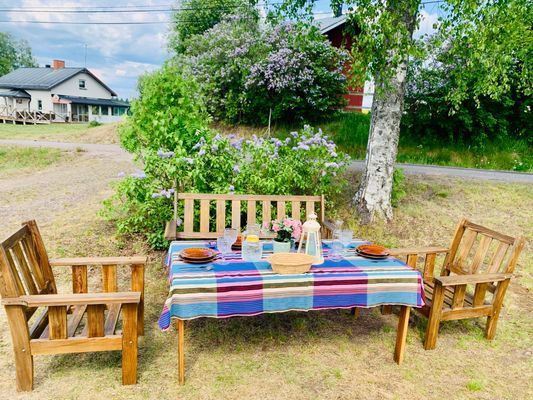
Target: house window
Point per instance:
(118, 111)
(95, 110)
(105, 110)
(40, 105)
(19, 101)
(81, 84)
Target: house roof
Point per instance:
(21, 94)
(94, 101)
(43, 78)
(329, 23)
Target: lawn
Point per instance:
(81, 133)
(19, 159)
(350, 132)
(317, 355)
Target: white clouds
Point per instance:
(427, 23)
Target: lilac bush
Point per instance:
(244, 69)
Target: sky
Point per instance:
(118, 54)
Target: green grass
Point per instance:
(82, 133)
(28, 159)
(10, 131)
(350, 132)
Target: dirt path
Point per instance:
(411, 169)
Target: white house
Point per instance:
(59, 94)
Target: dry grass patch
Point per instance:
(315, 355)
(79, 133)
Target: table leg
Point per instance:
(401, 335)
(180, 327)
(356, 311)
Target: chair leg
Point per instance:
(492, 320)
(432, 330)
(386, 310)
(129, 344)
(356, 311)
(24, 370)
(21, 347)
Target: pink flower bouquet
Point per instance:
(286, 229)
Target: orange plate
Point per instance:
(197, 253)
(373, 250)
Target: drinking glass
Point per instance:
(346, 237)
(231, 235)
(224, 246)
(336, 249)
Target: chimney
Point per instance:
(58, 64)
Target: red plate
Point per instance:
(373, 250)
(197, 253)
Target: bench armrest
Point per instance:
(50, 300)
(471, 279)
(75, 261)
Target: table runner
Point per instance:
(243, 288)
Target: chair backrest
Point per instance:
(24, 265)
(476, 249)
(239, 210)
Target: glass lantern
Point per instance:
(311, 236)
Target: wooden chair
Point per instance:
(27, 285)
(478, 258)
(272, 206)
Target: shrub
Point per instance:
(245, 69)
(94, 124)
(167, 132)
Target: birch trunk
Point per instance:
(373, 199)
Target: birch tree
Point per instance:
(493, 36)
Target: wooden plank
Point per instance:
(322, 216)
(450, 256)
(95, 320)
(74, 319)
(214, 235)
(434, 319)
(251, 212)
(57, 322)
(479, 294)
(411, 260)
(180, 327)
(469, 312)
(188, 216)
(171, 228)
(42, 255)
(480, 254)
(295, 212)
(129, 344)
(459, 296)
(34, 264)
(309, 208)
(15, 237)
(39, 325)
(73, 299)
(497, 258)
(204, 215)
(236, 214)
(246, 197)
(417, 250)
(13, 273)
(112, 319)
(467, 242)
(221, 216)
(497, 302)
(401, 334)
(24, 269)
(76, 345)
(280, 210)
(471, 279)
(489, 232)
(429, 266)
(79, 279)
(21, 346)
(137, 286)
(109, 278)
(266, 211)
(81, 261)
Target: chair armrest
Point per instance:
(418, 250)
(50, 300)
(69, 262)
(471, 279)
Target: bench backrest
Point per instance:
(206, 215)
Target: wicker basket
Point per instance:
(291, 263)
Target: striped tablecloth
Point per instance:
(243, 288)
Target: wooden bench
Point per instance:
(237, 211)
(479, 258)
(45, 322)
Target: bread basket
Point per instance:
(291, 263)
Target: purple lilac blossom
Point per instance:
(165, 154)
(139, 175)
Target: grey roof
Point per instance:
(94, 101)
(329, 23)
(21, 94)
(43, 78)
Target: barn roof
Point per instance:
(329, 23)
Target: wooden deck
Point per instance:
(25, 117)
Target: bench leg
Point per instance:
(180, 327)
(401, 334)
(21, 347)
(129, 344)
(386, 310)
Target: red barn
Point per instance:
(334, 29)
